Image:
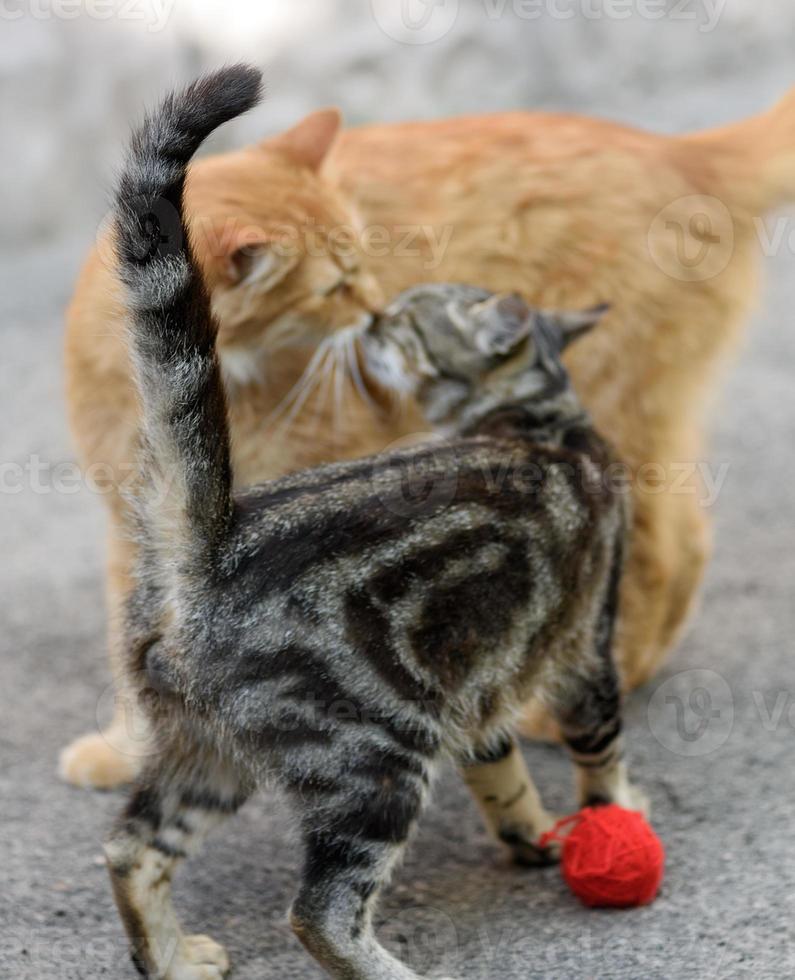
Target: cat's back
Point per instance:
(435, 570)
(464, 143)
(443, 500)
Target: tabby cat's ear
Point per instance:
(310, 141)
(571, 325)
(501, 322)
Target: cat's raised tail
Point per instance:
(186, 472)
(754, 159)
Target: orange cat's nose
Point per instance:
(368, 292)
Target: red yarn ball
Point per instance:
(610, 857)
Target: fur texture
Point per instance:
(329, 631)
(563, 208)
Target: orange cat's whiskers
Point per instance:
(290, 333)
(341, 380)
(307, 390)
(297, 396)
(355, 372)
(326, 382)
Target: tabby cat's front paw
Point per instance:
(526, 848)
(633, 798)
(626, 795)
(198, 958)
(532, 855)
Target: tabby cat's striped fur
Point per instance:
(337, 630)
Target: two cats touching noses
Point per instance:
(273, 573)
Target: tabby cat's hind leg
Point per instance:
(511, 805)
(172, 807)
(590, 722)
(587, 705)
(352, 844)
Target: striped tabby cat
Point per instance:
(330, 631)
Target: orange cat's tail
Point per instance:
(754, 159)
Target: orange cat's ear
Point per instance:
(259, 264)
(311, 140)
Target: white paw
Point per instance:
(199, 958)
(545, 821)
(552, 848)
(633, 798)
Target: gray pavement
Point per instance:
(723, 801)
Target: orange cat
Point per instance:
(310, 231)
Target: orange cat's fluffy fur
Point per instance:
(569, 211)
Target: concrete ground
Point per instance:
(713, 748)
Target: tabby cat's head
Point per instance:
(461, 350)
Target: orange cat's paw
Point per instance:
(92, 762)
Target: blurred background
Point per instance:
(73, 74)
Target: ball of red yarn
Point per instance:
(610, 857)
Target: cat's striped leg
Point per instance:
(170, 811)
(602, 775)
(587, 705)
(589, 713)
(352, 844)
(511, 805)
